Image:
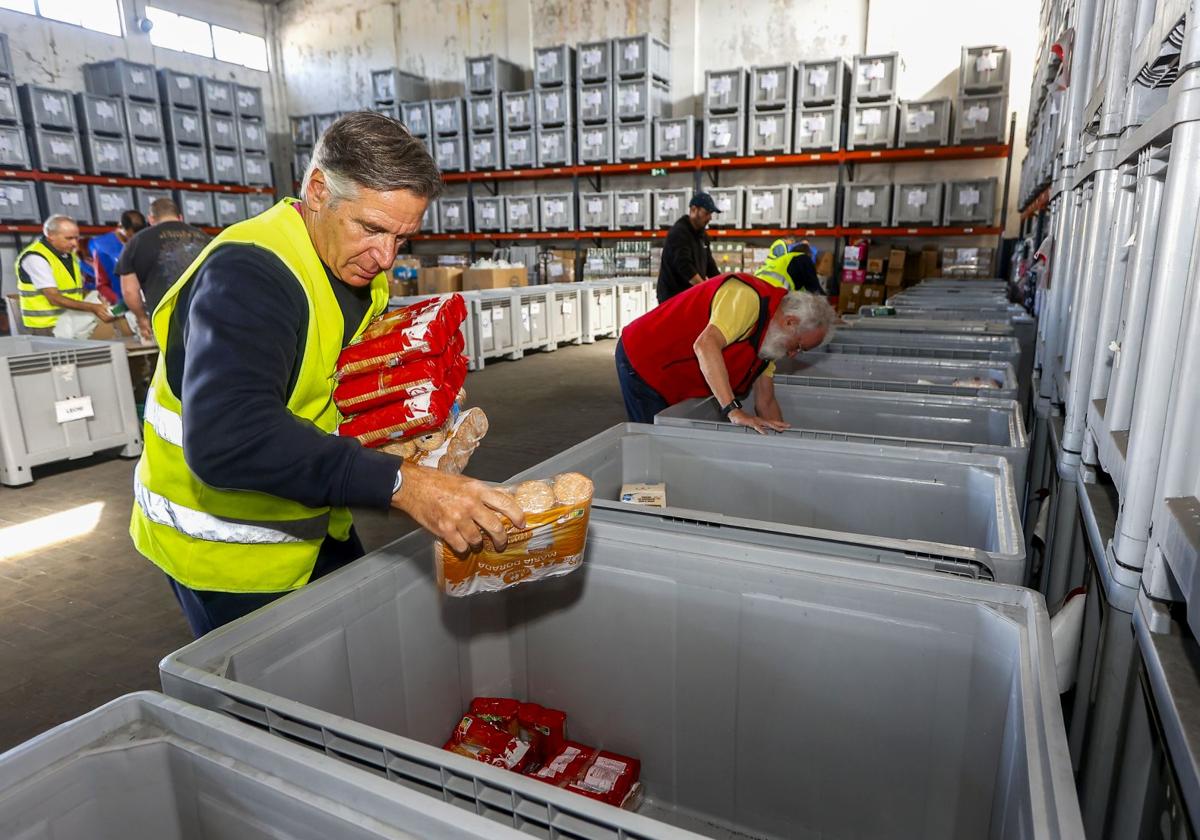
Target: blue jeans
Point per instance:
(641, 401)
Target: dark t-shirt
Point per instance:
(686, 253)
(159, 255)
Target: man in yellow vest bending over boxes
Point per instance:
(49, 278)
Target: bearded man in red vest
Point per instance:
(720, 338)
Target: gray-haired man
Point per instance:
(50, 279)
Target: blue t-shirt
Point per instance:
(107, 249)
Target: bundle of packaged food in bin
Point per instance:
(532, 740)
(400, 386)
(551, 543)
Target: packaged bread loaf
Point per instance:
(404, 335)
(399, 420)
(376, 388)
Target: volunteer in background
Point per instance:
(50, 278)
(687, 258)
(719, 338)
(243, 490)
(105, 250)
(155, 258)
(790, 266)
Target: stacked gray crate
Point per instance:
(925, 122)
(730, 205)
(822, 90)
(917, 204)
(597, 211)
(109, 203)
(521, 213)
(391, 86)
(197, 207)
(725, 112)
(519, 109)
(594, 103)
(184, 125)
(875, 107)
(771, 100)
(19, 202)
(866, 205)
(6, 70)
(138, 87)
(252, 136)
(304, 136)
(970, 202)
(228, 208)
(448, 123)
(669, 205)
(102, 134)
(633, 209)
(453, 214)
(51, 129)
(219, 114)
(815, 205)
(14, 151)
(982, 105)
(257, 203)
(143, 197)
(640, 93)
(488, 212)
(767, 207)
(674, 138)
(557, 211)
(554, 83)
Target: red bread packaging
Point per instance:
(407, 418)
(609, 778)
(500, 712)
(404, 335)
(476, 738)
(565, 765)
(366, 391)
(544, 729)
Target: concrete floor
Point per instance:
(87, 618)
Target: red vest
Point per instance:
(659, 344)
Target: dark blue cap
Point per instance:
(704, 201)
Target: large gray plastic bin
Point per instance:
(47, 388)
(939, 512)
(870, 342)
(769, 693)
(891, 373)
(145, 765)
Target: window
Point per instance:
(97, 15)
(188, 34)
(25, 6)
(240, 48)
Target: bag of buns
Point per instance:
(551, 543)
(398, 420)
(404, 335)
(376, 388)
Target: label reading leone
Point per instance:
(75, 408)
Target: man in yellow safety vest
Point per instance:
(790, 266)
(50, 279)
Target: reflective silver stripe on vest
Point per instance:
(167, 424)
(766, 273)
(204, 526)
(40, 312)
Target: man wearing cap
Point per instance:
(687, 258)
(790, 266)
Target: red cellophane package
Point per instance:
(609, 778)
(366, 391)
(545, 729)
(406, 418)
(500, 712)
(566, 765)
(476, 738)
(412, 332)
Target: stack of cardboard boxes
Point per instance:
(869, 281)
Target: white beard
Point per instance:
(775, 344)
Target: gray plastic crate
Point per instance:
(983, 70)
(178, 90)
(554, 67)
(872, 125)
(19, 202)
(638, 56)
(634, 296)
(417, 117)
(487, 152)
(642, 99)
(520, 149)
(497, 328)
(392, 86)
(669, 205)
(893, 374)
(633, 209)
(822, 82)
(557, 211)
(196, 206)
(448, 116)
(108, 203)
(256, 169)
(866, 205)
(521, 213)
(484, 113)
(726, 90)
(767, 207)
(489, 213)
(58, 151)
(597, 211)
(252, 135)
(145, 765)
(771, 86)
(596, 102)
(6, 68)
(106, 155)
(674, 138)
(634, 141)
(221, 131)
(452, 214)
(228, 208)
(449, 154)
(818, 129)
(917, 204)
(123, 78)
(925, 123)
(63, 399)
(730, 206)
(429, 221)
(300, 162)
(144, 120)
(770, 132)
(555, 107)
(979, 348)
(981, 119)
(304, 132)
(876, 76)
(599, 309)
(321, 122)
(187, 127)
(933, 699)
(14, 153)
(225, 167)
(493, 74)
(47, 107)
(392, 111)
(68, 200)
(596, 144)
(145, 196)
(104, 115)
(519, 108)
(257, 203)
(815, 205)
(566, 313)
(725, 135)
(10, 107)
(555, 146)
(969, 202)
(596, 61)
(949, 512)
(216, 97)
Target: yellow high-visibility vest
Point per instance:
(37, 311)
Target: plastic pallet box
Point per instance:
(228, 208)
(221, 131)
(47, 108)
(429, 222)
(143, 197)
(597, 211)
(977, 348)
(489, 213)
(638, 56)
(520, 149)
(535, 318)
(772, 87)
(771, 132)
(767, 207)
(669, 205)
(674, 138)
(57, 151)
(554, 67)
(196, 206)
(119, 77)
(642, 99)
(304, 131)
(599, 309)
(730, 206)
(866, 205)
(872, 125)
(14, 153)
(216, 97)
(106, 155)
(876, 76)
(484, 113)
(981, 119)
(634, 141)
(634, 209)
(917, 204)
(925, 123)
(557, 211)
(225, 167)
(555, 146)
(970, 202)
(187, 127)
(595, 104)
(596, 61)
(6, 69)
(493, 74)
(108, 203)
(520, 109)
(256, 169)
(487, 152)
(983, 70)
(178, 90)
(63, 399)
(252, 135)
(725, 90)
(566, 313)
(818, 129)
(103, 115)
(632, 299)
(144, 120)
(452, 215)
(19, 202)
(596, 144)
(448, 116)
(300, 162)
(10, 107)
(521, 213)
(257, 203)
(822, 82)
(321, 122)
(67, 200)
(909, 376)
(724, 135)
(448, 153)
(392, 86)
(815, 205)
(555, 107)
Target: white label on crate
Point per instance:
(183, 82)
(444, 115)
(524, 319)
(764, 202)
(555, 207)
(590, 57)
(547, 61)
(864, 198)
(632, 51)
(52, 104)
(535, 308)
(516, 108)
(519, 209)
(106, 153)
(669, 203)
(568, 307)
(968, 197)
(488, 212)
(481, 149)
(769, 81)
(595, 264)
(105, 109)
(6, 98)
(518, 144)
(672, 132)
(69, 199)
(987, 62)
(814, 125)
(497, 314)
(145, 116)
(719, 85)
(556, 270)
(818, 77)
(551, 100)
(875, 70)
(190, 124)
(767, 126)
(631, 97)
(485, 324)
(445, 150)
(479, 69)
(871, 116)
(60, 148)
(814, 198)
(631, 263)
(629, 138)
(591, 98)
(917, 198)
(919, 119)
(481, 109)
(452, 211)
(628, 207)
(594, 205)
(76, 408)
(138, 77)
(977, 114)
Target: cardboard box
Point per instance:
(929, 263)
(874, 266)
(873, 294)
(895, 268)
(825, 264)
(649, 495)
(403, 288)
(853, 296)
(439, 281)
(558, 266)
(474, 279)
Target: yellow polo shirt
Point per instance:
(735, 309)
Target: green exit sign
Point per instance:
(658, 171)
